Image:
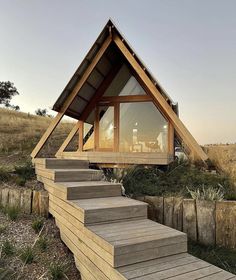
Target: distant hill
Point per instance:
(20, 132)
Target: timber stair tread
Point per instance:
(134, 236)
(108, 209)
(51, 163)
(72, 174)
(82, 190)
(107, 202)
(90, 189)
(181, 266)
(110, 235)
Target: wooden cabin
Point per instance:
(123, 115)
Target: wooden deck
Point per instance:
(110, 235)
(119, 158)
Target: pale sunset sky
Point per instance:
(189, 46)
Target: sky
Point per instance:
(189, 46)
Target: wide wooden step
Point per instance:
(109, 209)
(136, 241)
(92, 189)
(179, 266)
(110, 235)
(70, 175)
(81, 190)
(55, 163)
(119, 249)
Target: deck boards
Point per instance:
(111, 237)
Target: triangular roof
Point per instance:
(87, 60)
(100, 65)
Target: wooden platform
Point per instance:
(110, 235)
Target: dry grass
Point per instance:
(20, 132)
(223, 157)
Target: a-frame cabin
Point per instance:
(123, 115)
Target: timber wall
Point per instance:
(207, 222)
(28, 201)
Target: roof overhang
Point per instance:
(110, 58)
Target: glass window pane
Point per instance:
(142, 128)
(124, 84)
(132, 87)
(106, 127)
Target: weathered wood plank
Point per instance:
(26, 201)
(206, 223)
(5, 197)
(190, 218)
(178, 213)
(169, 263)
(35, 202)
(44, 204)
(109, 271)
(168, 211)
(226, 224)
(118, 157)
(155, 208)
(14, 198)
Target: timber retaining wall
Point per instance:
(28, 201)
(207, 222)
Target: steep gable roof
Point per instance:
(96, 72)
(99, 73)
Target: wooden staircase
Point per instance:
(110, 235)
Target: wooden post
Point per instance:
(178, 213)
(68, 138)
(206, 223)
(14, 198)
(35, 202)
(43, 204)
(26, 201)
(168, 211)
(190, 219)
(226, 224)
(171, 145)
(156, 207)
(81, 136)
(5, 197)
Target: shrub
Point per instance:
(8, 248)
(12, 212)
(4, 175)
(20, 181)
(203, 193)
(37, 224)
(221, 257)
(27, 255)
(42, 243)
(58, 270)
(172, 180)
(2, 228)
(25, 171)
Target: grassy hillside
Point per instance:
(20, 132)
(223, 157)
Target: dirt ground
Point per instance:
(21, 234)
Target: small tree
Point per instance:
(7, 91)
(41, 112)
